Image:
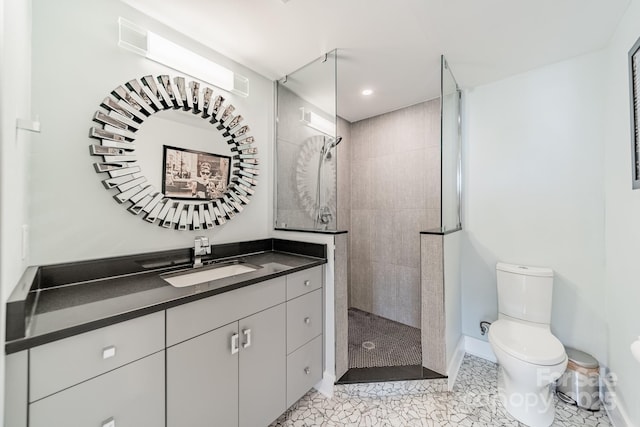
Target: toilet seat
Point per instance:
(530, 344)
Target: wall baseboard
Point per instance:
(456, 362)
(479, 348)
(616, 412)
(325, 385)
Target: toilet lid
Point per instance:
(528, 343)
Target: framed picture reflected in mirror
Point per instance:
(194, 175)
(634, 80)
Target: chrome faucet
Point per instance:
(201, 247)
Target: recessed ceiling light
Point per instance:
(367, 92)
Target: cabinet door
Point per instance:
(263, 367)
(202, 380)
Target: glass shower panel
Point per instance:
(450, 145)
(306, 154)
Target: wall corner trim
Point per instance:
(609, 398)
(325, 385)
(455, 363)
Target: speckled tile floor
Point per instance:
(472, 403)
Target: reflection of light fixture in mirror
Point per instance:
(367, 92)
(156, 48)
(317, 122)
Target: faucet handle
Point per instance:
(202, 244)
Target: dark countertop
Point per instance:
(305, 230)
(441, 232)
(69, 309)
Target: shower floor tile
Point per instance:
(473, 403)
(378, 342)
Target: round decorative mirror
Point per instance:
(201, 188)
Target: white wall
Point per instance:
(622, 219)
(534, 194)
(15, 93)
(76, 64)
(15, 104)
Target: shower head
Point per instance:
(328, 145)
(333, 142)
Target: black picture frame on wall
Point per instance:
(194, 175)
(634, 92)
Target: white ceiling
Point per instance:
(393, 46)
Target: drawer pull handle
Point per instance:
(111, 422)
(108, 353)
(307, 283)
(234, 343)
(307, 370)
(307, 320)
(247, 335)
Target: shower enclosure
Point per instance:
(306, 160)
(384, 179)
(451, 161)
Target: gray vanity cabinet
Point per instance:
(239, 358)
(235, 374)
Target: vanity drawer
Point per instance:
(61, 364)
(304, 319)
(303, 282)
(198, 317)
(304, 369)
(130, 396)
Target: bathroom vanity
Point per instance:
(132, 350)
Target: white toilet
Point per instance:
(530, 358)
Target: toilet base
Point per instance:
(535, 409)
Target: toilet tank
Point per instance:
(525, 292)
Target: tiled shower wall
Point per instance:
(395, 194)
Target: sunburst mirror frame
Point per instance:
(121, 115)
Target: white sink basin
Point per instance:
(206, 274)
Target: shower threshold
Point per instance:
(388, 373)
